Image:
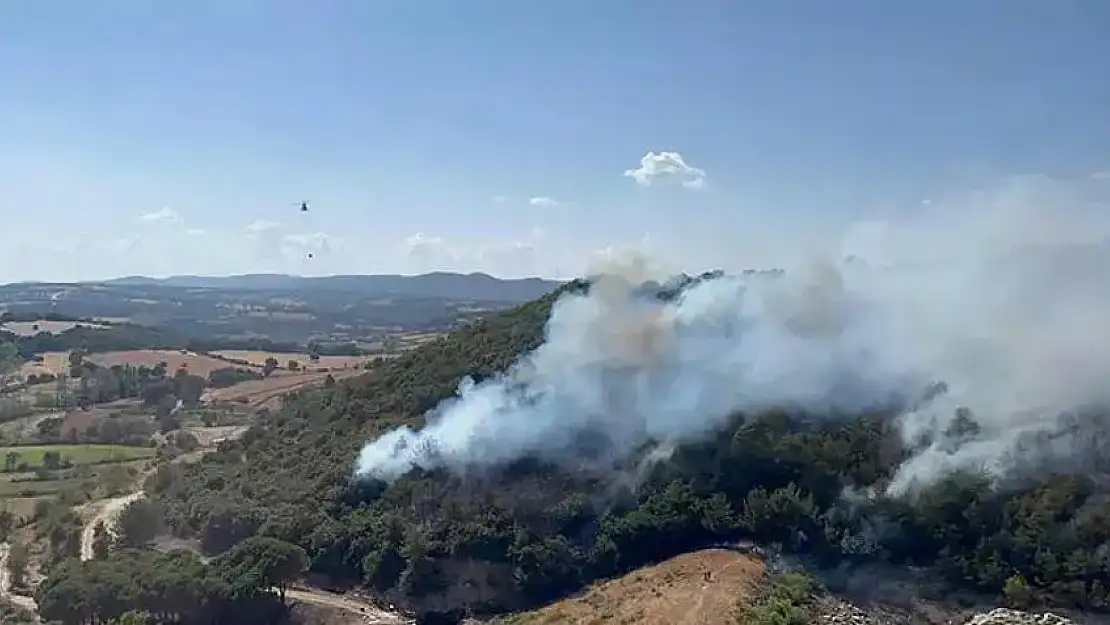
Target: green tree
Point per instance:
(7, 522)
(18, 559)
(9, 360)
(156, 392)
(1017, 592)
(52, 460)
(187, 387)
(102, 541)
(260, 563)
(76, 363)
(138, 524)
(133, 617)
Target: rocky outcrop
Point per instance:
(1004, 616)
(835, 611)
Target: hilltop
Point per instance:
(530, 531)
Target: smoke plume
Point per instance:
(1002, 297)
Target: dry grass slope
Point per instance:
(699, 588)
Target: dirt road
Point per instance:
(23, 601)
(369, 613)
(105, 511)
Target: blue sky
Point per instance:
(177, 137)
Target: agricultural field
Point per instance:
(21, 507)
(415, 339)
(77, 454)
(196, 364)
(51, 362)
(31, 328)
(24, 428)
(92, 479)
(303, 360)
(255, 393)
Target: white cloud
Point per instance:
(542, 201)
(500, 199)
(666, 166)
(262, 225)
(195, 232)
(1101, 175)
(424, 247)
(165, 215)
(314, 243)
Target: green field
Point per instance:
(83, 477)
(78, 454)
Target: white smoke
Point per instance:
(1004, 297)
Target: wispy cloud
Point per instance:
(262, 225)
(165, 215)
(543, 201)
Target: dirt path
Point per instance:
(23, 601)
(105, 511)
(369, 613)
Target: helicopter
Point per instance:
(304, 209)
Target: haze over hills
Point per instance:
(339, 310)
(475, 286)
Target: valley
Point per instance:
(83, 429)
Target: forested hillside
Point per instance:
(529, 531)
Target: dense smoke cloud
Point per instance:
(1003, 297)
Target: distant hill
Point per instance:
(457, 286)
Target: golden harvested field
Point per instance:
(303, 360)
(416, 339)
(52, 362)
(197, 364)
(700, 588)
(258, 392)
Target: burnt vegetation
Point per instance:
(444, 546)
